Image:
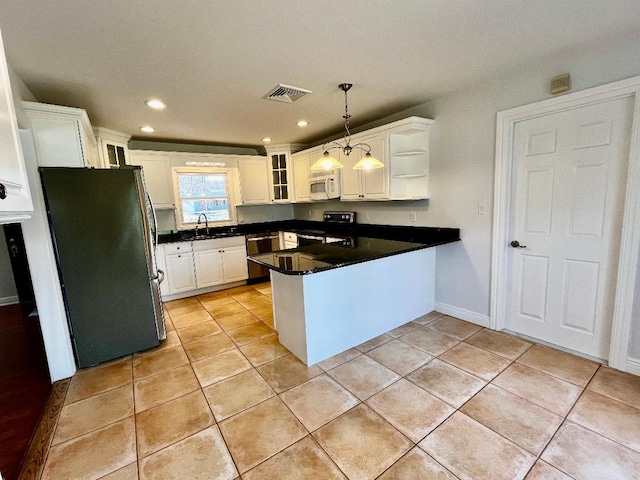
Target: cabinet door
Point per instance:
(375, 183)
(349, 178)
(208, 265)
(301, 173)
(234, 262)
(114, 154)
(162, 266)
(280, 178)
(57, 142)
(254, 181)
(180, 274)
(15, 197)
(157, 178)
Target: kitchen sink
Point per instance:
(186, 236)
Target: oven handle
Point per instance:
(262, 238)
(311, 237)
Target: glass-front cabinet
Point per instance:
(112, 147)
(281, 178)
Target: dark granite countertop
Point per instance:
(327, 256)
(425, 235)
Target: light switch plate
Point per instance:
(482, 208)
(412, 216)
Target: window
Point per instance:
(203, 192)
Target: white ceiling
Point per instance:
(212, 61)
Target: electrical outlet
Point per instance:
(482, 208)
(240, 220)
(412, 216)
(366, 216)
(310, 213)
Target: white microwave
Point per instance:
(324, 185)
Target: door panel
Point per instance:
(234, 261)
(180, 273)
(567, 200)
(580, 294)
(538, 201)
(589, 200)
(533, 294)
(376, 183)
(208, 265)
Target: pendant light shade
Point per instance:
(368, 162)
(327, 162)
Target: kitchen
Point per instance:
(461, 167)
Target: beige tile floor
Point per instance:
(435, 398)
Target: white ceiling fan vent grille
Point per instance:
(286, 93)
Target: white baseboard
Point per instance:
(633, 365)
(463, 314)
(8, 301)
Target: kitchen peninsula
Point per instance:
(330, 297)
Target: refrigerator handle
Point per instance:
(155, 221)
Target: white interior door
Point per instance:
(568, 189)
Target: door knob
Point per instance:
(516, 244)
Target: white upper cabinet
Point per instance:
(281, 179)
(157, 177)
(365, 184)
(301, 164)
(15, 197)
(112, 147)
(403, 147)
(254, 180)
(62, 136)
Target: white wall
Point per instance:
(462, 163)
(264, 213)
(8, 292)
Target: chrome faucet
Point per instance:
(206, 223)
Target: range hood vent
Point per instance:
(286, 93)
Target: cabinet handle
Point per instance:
(3, 192)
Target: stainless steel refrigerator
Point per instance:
(104, 235)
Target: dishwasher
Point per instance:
(261, 243)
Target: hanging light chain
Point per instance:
(326, 161)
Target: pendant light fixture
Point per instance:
(327, 162)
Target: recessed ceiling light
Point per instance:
(302, 123)
(266, 139)
(156, 104)
(148, 129)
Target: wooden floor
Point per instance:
(24, 384)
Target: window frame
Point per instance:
(227, 172)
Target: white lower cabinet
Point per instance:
(234, 264)
(201, 264)
(208, 268)
(181, 276)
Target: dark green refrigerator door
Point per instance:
(98, 231)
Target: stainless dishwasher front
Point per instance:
(261, 243)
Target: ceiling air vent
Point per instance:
(286, 93)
